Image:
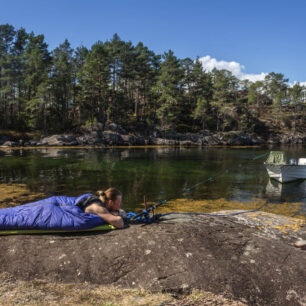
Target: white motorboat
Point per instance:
(278, 168)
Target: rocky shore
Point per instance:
(114, 135)
(250, 257)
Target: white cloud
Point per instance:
(301, 83)
(253, 77)
(236, 68)
(209, 63)
(295, 82)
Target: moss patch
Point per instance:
(207, 206)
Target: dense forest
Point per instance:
(115, 81)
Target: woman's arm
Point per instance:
(105, 215)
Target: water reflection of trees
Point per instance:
(158, 173)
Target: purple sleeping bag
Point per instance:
(54, 213)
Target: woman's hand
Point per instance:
(119, 212)
(115, 212)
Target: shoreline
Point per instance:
(127, 147)
(140, 139)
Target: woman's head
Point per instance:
(111, 198)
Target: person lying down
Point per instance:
(106, 205)
(66, 213)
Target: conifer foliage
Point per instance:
(116, 81)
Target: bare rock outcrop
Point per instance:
(250, 257)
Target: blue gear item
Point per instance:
(145, 218)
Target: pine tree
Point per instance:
(62, 84)
(276, 89)
(78, 63)
(7, 34)
(202, 93)
(169, 89)
(37, 68)
(94, 79)
(19, 66)
(297, 94)
(225, 88)
(146, 69)
(256, 96)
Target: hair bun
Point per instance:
(110, 194)
(101, 193)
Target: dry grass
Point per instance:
(38, 292)
(17, 194)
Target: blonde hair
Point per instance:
(109, 194)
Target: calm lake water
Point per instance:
(158, 173)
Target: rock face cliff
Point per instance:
(250, 257)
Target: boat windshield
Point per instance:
(276, 157)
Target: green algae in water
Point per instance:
(158, 173)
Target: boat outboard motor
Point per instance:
(292, 161)
(302, 161)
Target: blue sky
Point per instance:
(262, 36)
